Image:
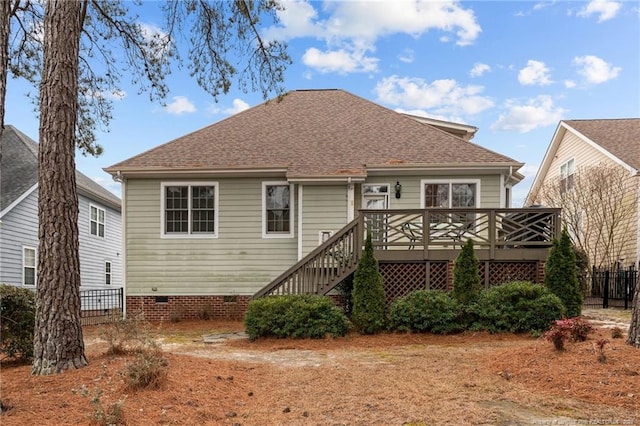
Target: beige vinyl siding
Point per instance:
(238, 262)
(324, 208)
(585, 155)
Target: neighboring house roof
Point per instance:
(315, 134)
(19, 172)
(618, 139)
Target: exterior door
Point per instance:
(376, 197)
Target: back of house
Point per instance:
(212, 217)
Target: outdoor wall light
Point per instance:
(398, 189)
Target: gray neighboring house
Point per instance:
(99, 221)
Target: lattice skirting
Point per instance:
(401, 279)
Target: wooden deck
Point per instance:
(422, 236)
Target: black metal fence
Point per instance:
(101, 306)
(612, 287)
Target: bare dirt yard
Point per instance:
(388, 379)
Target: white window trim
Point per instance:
(98, 208)
(375, 194)
(266, 234)
(424, 182)
(566, 178)
(35, 265)
(110, 273)
(216, 209)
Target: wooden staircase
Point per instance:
(322, 269)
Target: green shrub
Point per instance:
(560, 275)
(466, 278)
(368, 293)
(426, 311)
(297, 316)
(17, 321)
(516, 307)
(345, 289)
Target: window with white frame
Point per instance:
(567, 170)
(277, 205)
(97, 220)
(375, 196)
(450, 195)
(190, 209)
(107, 272)
(28, 266)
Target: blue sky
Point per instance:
(512, 69)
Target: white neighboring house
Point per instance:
(99, 221)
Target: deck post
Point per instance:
(492, 234)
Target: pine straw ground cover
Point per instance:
(388, 379)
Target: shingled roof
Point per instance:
(19, 171)
(314, 133)
(621, 137)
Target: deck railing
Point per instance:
(417, 235)
(428, 230)
(323, 268)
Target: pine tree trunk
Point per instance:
(634, 329)
(5, 18)
(58, 342)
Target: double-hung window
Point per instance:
(190, 209)
(566, 176)
(28, 266)
(277, 206)
(107, 273)
(450, 195)
(97, 221)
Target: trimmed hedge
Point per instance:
(297, 316)
(426, 311)
(17, 321)
(516, 307)
(368, 297)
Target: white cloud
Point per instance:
(350, 29)
(535, 72)
(238, 106)
(595, 70)
(370, 20)
(536, 112)
(179, 106)
(569, 84)
(407, 56)
(478, 69)
(340, 61)
(605, 9)
(441, 97)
